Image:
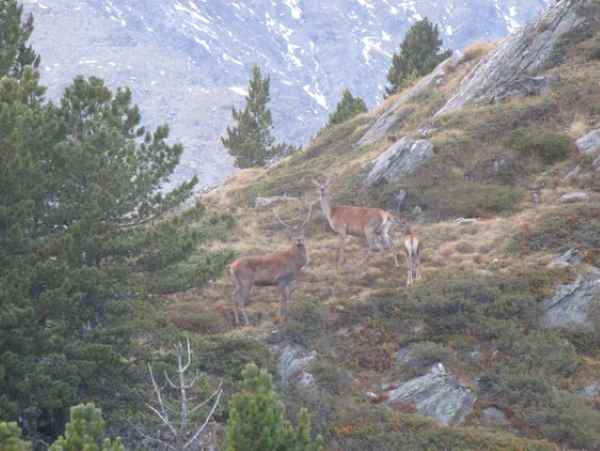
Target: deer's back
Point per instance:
(265, 269)
(355, 219)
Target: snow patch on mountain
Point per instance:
(181, 56)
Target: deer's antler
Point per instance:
(308, 216)
(287, 226)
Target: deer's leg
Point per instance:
(285, 289)
(389, 243)
(235, 306)
(409, 270)
(244, 294)
(341, 257)
(417, 267)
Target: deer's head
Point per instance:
(323, 186)
(295, 232)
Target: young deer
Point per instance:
(346, 221)
(279, 269)
(412, 251)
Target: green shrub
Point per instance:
(10, 438)
(377, 430)
(460, 198)
(570, 420)
(224, 356)
(577, 227)
(331, 376)
(84, 431)
(422, 355)
(541, 351)
(550, 146)
(304, 322)
(257, 419)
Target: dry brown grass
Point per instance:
(221, 196)
(476, 51)
(447, 246)
(578, 127)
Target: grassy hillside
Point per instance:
(483, 283)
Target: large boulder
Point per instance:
(402, 158)
(589, 144)
(589, 392)
(396, 112)
(268, 201)
(572, 257)
(577, 196)
(293, 365)
(437, 394)
(513, 68)
(574, 306)
(492, 417)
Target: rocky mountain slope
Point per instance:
(188, 62)
(497, 347)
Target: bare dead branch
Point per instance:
(163, 419)
(208, 418)
(170, 382)
(207, 400)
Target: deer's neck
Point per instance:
(300, 256)
(326, 207)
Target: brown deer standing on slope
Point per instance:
(279, 269)
(346, 221)
(412, 251)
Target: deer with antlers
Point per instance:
(279, 269)
(372, 223)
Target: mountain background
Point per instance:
(188, 62)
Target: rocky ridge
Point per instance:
(188, 62)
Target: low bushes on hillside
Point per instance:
(577, 227)
(550, 146)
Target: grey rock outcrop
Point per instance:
(395, 113)
(512, 69)
(293, 366)
(590, 392)
(420, 356)
(494, 417)
(268, 201)
(402, 158)
(589, 144)
(570, 258)
(577, 196)
(574, 306)
(437, 394)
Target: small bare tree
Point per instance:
(179, 431)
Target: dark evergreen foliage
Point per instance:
(257, 419)
(84, 432)
(420, 53)
(80, 185)
(15, 54)
(348, 107)
(250, 140)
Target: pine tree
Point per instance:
(348, 107)
(80, 186)
(85, 431)
(257, 419)
(10, 438)
(15, 54)
(420, 53)
(250, 141)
